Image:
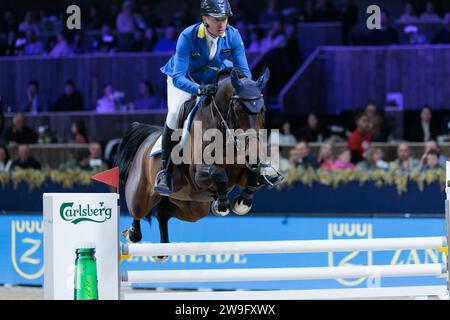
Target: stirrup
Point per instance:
(163, 190)
(270, 181)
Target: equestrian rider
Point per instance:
(200, 53)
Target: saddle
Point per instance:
(186, 110)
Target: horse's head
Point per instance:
(247, 102)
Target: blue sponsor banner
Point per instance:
(21, 251)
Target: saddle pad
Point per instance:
(156, 150)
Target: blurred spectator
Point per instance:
(378, 130)
(429, 15)
(404, 163)
(62, 47)
(285, 137)
(349, 19)
(70, 100)
(30, 23)
(300, 156)
(107, 42)
(34, 46)
(25, 160)
(111, 16)
(256, 40)
(275, 37)
(35, 101)
(111, 100)
(138, 42)
(431, 145)
(94, 20)
(313, 131)
(359, 140)
(270, 14)
(13, 46)
(8, 23)
(45, 135)
(128, 20)
(386, 36)
(147, 99)
(425, 129)
(150, 39)
(325, 10)
(96, 156)
(373, 160)
(2, 124)
(182, 17)
(325, 158)
(79, 44)
(5, 161)
(169, 42)
(409, 14)
(79, 132)
(81, 162)
(19, 133)
(431, 161)
(150, 19)
(443, 35)
(343, 161)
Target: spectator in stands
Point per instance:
(313, 131)
(378, 130)
(107, 42)
(256, 40)
(343, 161)
(325, 11)
(285, 137)
(359, 140)
(111, 100)
(443, 35)
(386, 36)
(150, 39)
(62, 47)
(275, 38)
(431, 162)
(429, 15)
(79, 132)
(300, 157)
(19, 133)
(431, 145)
(81, 162)
(34, 46)
(409, 14)
(147, 99)
(425, 129)
(169, 42)
(325, 158)
(111, 17)
(70, 100)
(373, 160)
(404, 164)
(128, 20)
(13, 45)
(9, 22)
(349, 19)
(96, 156)
(35, 101)
(94, 20)
(79, 45)
(138, 42)
(25, 160)
(30, 23)
(5, 161)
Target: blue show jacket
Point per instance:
(191, 59)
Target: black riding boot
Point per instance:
(163, 181)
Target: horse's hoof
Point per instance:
(214, 208)
(160, 258)
(241, 206)
(131, 237)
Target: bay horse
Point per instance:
(197, 188)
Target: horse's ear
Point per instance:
(235, 81)
(262, 81)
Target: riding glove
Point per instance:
(207, 90)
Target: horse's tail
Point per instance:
(134, 137)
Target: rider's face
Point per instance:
(217, 26)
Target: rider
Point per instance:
(201, 52)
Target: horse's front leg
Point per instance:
(212, 173)
(243, 203)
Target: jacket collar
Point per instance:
(202, 32)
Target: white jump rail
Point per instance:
(273, 247)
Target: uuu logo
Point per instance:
(79, 213)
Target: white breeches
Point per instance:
(175, 99)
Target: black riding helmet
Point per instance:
(216, 8)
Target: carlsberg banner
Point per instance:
(74, 219)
